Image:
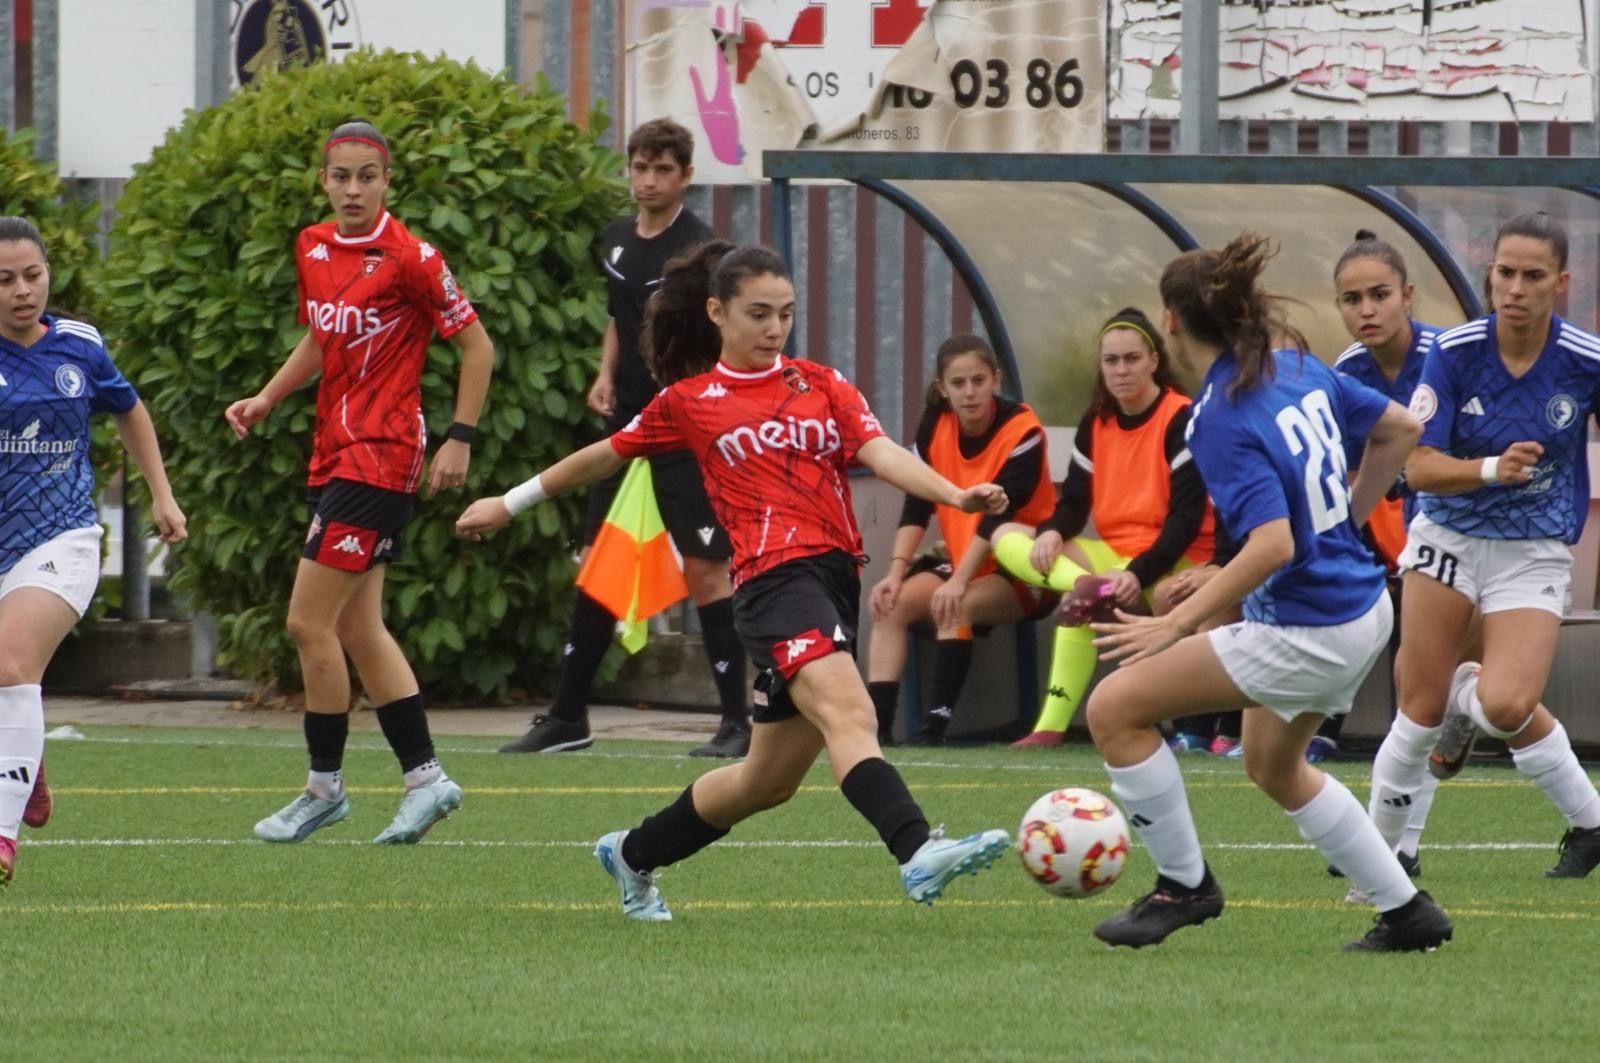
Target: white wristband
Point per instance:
(1491, 470)
(525, 496)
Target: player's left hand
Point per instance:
(983, 497)
(171, 525)
(1133, 638)
(449, 469)
(945, 605)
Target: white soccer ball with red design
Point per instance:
(1073, 842)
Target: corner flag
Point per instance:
(632, 568)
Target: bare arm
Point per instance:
(896, 465)
(603, 395)
(594, 462)
(301, 365)
(1388, 445)
(138, 434)
(1432, 470)
(450, 461)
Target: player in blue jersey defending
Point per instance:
(54, 373)
(1503, 478)
(1268, 434)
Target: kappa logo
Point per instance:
(427, 250)
(349, 545)
(320, 253)
(797, 647)
(714, 390)
(705, 536)
(1473, 406)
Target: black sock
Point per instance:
(588, 639)
(325, 735)
(726, 655)
(886, 700)
(880, 795)
(675, 833)
(405, 725)
(952, 659)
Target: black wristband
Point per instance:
(461, 433)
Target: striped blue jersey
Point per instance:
(47, 392)
(1472, 407)
(1359, 362)
(1277, 451)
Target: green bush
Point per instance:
(200, 294)
(69, 226)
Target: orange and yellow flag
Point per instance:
(632, 568)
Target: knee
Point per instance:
(1100, 714)
(306, 628)
(1507, 710)
(1162, 599)
(1272, 778)
(359, 633)
(849, 718)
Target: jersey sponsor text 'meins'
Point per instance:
(373, 302)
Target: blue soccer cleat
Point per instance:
(940, 860)
(640, 898)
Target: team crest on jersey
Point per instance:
(371, 259)
(69, 381)
(796, 380)
(1561, 411)
(1424, 403)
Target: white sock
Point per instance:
(423, 774)
(1551, 764)
(1421, 802)
(21, 746)
(1153, 795)
(1397, 774)
(1348, 839)
(326, 785)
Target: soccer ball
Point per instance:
(1073, 842)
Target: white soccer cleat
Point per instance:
(306, 813)
(640, 898)
(941, 860)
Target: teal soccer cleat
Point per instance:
(640, 898)
(940, 860)
(420, 809)
(306, 813)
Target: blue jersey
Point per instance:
(1357, 361)
(47, 392)
(1472, 407)
(1277, 451)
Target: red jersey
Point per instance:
(372, 303)
(772, 446)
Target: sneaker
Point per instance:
(1088, 602)
(640, 898)
(420, 809)
(550, 735)
(1235, 752)
(1321, 749)
(1458, 733)
(8, 861)
(1041, 740)
(1419, 925)
(1580, 853)
(1170, 906)
(1223, 746)
(36, 813)
(1187, 743)
(732, 740)
(297, 819)
(932, 867)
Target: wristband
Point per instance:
(525, 496)
(1491, 470)
(461, 433)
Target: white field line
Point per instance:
(33, 841)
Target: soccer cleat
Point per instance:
(940, 860)
(551, 735)
(1458, 733)
(732, 740)
(1223, 746)
(1187, 743)
(640, 898)
(297, 819)
(1041, 740)
(1580, 853)
(36, 813)
(1321, 749)
(420, 809)
(1170, 906)
(933, 728)
(8, 860)
(1419, 925)
(1235, 752)
(1090, 601)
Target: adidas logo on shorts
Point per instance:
(349, 545)
(48, 566)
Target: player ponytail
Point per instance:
(18, 229)
(680, 340)
(1218, 299)
(1131, 319)
(949, 351)
(1367, 245)
(1536, 225)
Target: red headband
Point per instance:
(368, 141)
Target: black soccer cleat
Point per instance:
(1419, 925)
(1580, 854)
(934, 726)
(1411, 863)
(1170, 906)
(551, 735)
(732, 741)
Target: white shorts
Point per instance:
(1493, 574)
(1295, 669)
(67, 566)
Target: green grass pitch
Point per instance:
(146, 923)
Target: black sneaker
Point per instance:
(1419, 925)
(1580, 853)
(933, 729)
(551, 735)
(1411, 862)
(732, 740)
(1170, 906)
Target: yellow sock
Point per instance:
(1011, 551)
(1071, 667)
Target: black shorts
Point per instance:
(681, 496)
(792, 615)
(355, 526)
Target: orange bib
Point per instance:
(944, 454)
(1133, 484)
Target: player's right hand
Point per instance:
(603, 396)
(1516, 464)
(484, 515)
(244, 414)
(884, 594)
(1046, 548)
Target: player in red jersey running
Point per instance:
(371, 296)
(773, 438)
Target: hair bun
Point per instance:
(1365, 234)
